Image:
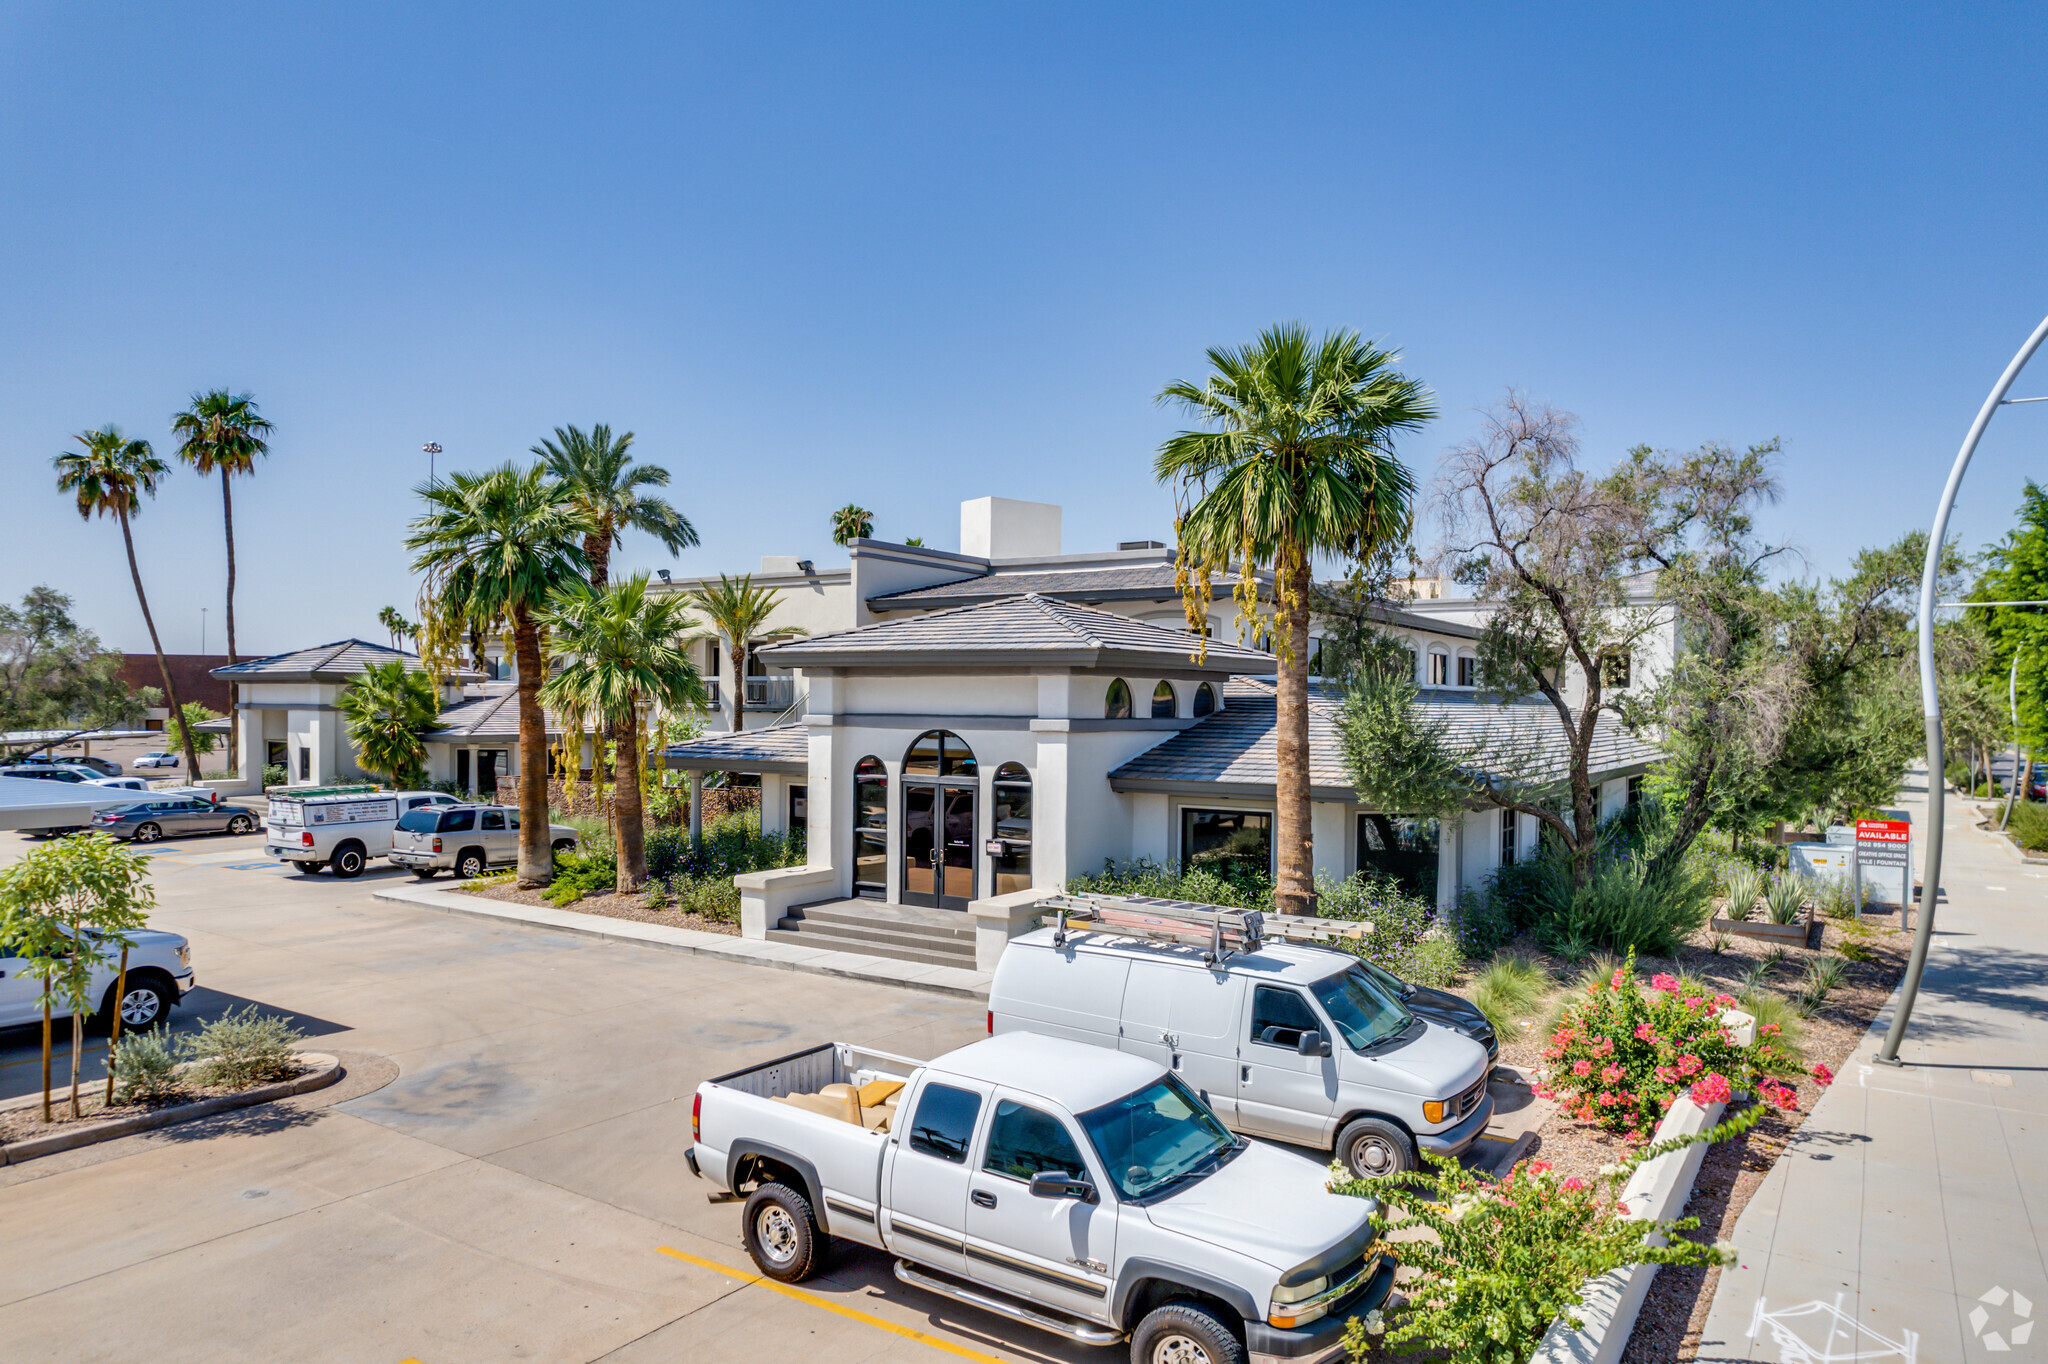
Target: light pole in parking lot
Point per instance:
(430, 449)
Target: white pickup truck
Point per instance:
(341, 829)
(1066, 1187)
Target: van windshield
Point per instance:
(1360, 1009)
(420, 821)
(1158, 1138)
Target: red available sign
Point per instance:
(1883, 831)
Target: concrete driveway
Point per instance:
(516, 1192)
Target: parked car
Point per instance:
(1458, 1014)
(146, 821)
(341, 830)
(1296, 1043)
(106, 767)
(1063, 1187)
(52, 772)
(159, 975)
(157, 760)
(124, 783)
(465, 839)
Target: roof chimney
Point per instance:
(1003, 528)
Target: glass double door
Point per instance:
(938, 845)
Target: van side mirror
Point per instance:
(1312, 1043)
(1053, 1184)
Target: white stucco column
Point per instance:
(696, 809)
(1050, 812)
(1326, 827)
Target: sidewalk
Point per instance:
(1909, 1218)
(944, 980)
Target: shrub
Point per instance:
(1621, 1055)
(655, 895)
(732, 844)
(1823, 977)
(1625, 908)
(1784, 900)
(245, 1048)
(712, 897)
(1775, 1012)
(146, 1067)
(1856, 951)
(1409, 938)
(1509, 990)
(579, 873)
(1744, 885)
(2029, 826)
(276, 775)
(1144, 876)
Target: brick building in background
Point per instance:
(190, 673)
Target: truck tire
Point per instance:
(147, 1003)
(562, 845)
(469, 862)
(781, 1233)
(1373, 1147)
(348, 861)
(309, 868)
(426, 873)
(1185, 1333)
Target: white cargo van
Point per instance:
(1293, 1042)
(343, 829)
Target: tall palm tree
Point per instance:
(110, 477)
(852, 522)
(605, 485)
(494, 547)
(224, 431)
(399, 627)
(1299, 462)
(386, 710)
(614, 648)
(738, 612)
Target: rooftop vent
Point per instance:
(1140, 544)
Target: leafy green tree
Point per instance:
(1298, 461)
(109, 477)
(2016, 569)
(615, 650)
(495, 546)
(387, 710)
(609, 489)
(54, 674)
(738, 613)
(223, 431)
(852, 522)
(63, 907)
(179, 728)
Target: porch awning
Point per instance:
(784, 749)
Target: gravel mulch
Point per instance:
(26, 1121)
(608, 903)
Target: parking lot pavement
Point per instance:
(510, 1195)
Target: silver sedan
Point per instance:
(146, 821)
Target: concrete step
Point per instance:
(937, 923)
(892, 951)
(855, 939)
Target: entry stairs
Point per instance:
(930, 937)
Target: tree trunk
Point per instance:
(628, 808)
(77, 1056)
(738, 650)
(536, 860)
(227, 511)
(1294, 889)
(114, 1028)
(46, 1051)
(163, 669)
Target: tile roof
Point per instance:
(489, 711)
(1030, 629)
(336, 662)
(778, 748)
(1235, 746)
(1122, 582)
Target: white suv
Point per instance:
(465, 839)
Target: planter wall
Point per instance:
(1792, 934)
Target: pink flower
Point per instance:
(1693, 1001)
(1714, 1089)
(1667, 983)
(1725, 1001)
(1619, 976)
(1613, 1075)
(1608, 1099)
(1574, 1184)
(1781, 1095)
(1668, 1074)
(1539, 1167)
(1823, 1076)
(1645, 1033)
(1582, 1068)
(1689, 1064)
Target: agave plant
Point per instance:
(1783, 901)
(1744, 885)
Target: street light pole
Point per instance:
(1930, 696)
(430, 449)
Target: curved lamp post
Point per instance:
(1930, 697)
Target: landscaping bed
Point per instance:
(608, 903)
(24, 1134)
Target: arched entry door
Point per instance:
(939, 782)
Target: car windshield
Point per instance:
(1158, 1137)
(1386, 980)
(1360, 1009)
(420, 821)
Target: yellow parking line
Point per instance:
(745, 1276)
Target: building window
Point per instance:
(1117, 704)
(1439, 668)
(1468, 671)
(1401, 848)
(1507, 838)
(1315, 656)
(939, 753)
(1205, 700)
(1012, 826)
(305, 764)
(1635, 792)
(1164, 702)
(1614, 668)
(870, 828)
(1414, 662)
(1234, 844)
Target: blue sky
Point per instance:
(910, 255)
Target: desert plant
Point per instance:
(145, 1067)
(1718, 944)
(1745, 883)
(1856, 951)
(243, 1048)
(1626, 907)
(1776, 1018)
(655, 895)
(1509, 990)
(1784, 900)
(1824, 975)
(579, 873)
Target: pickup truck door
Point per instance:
(20, 993)
(926, 1198)
(1187, 1020)
(1057, 1251)
(1281, 1093)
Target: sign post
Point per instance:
(1884, 845)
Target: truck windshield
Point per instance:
(420, 821)
(1158, 1138)
(1360, 1009)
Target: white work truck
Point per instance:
(342, 829)
(1069, 1188)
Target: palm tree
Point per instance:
(399, 627)
(1300, 462)
(614, 648)
(852, 522)
(387, 709)
(738, 612)
(110, 477)
(224, 431)
(494, 547)
(604, 485)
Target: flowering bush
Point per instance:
(1510, 1256)
(1621, 1054)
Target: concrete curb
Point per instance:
(941, 980)
(326, 1070)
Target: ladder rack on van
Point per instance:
(1219, 930)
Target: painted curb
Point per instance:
(327, 1070)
